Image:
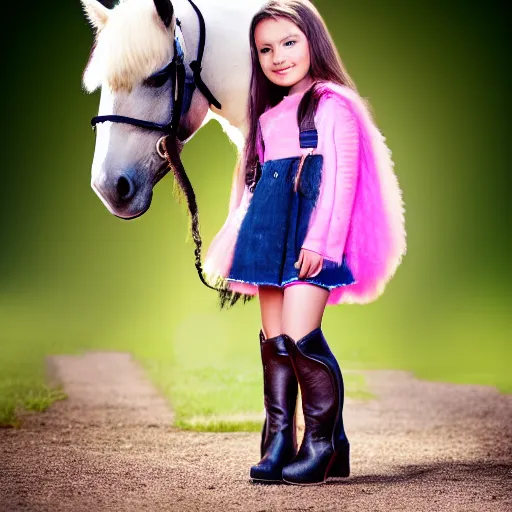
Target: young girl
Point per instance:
(316, 218)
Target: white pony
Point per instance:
(135, 40)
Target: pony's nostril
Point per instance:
(125, 188)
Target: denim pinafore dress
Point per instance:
(276, 222)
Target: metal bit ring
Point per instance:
(160, 147)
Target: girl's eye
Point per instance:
(263, 50)
(156, 81)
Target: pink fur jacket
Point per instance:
(359, 212)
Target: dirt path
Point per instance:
(421, 446)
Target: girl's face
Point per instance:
(283, 52)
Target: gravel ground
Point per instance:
(420, 446)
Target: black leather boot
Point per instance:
(325, 448)
(278, 441)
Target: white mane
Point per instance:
(132, 45)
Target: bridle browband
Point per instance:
(183, 86)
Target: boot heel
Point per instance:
(340, 464)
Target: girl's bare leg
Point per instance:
(271, 306)
(302, 310)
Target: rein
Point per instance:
(172, 154)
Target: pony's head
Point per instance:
(134, 41)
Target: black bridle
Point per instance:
(183, 85)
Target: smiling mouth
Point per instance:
(283, 71)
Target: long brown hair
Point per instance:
(326, 65)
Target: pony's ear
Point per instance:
(96, 12)
(165, 10)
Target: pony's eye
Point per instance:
(156, 81)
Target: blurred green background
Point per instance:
(73, 277)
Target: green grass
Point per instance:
(23, 385)
(227, 400)
(212, 376)
(18, 396)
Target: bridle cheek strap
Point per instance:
(176, 71)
